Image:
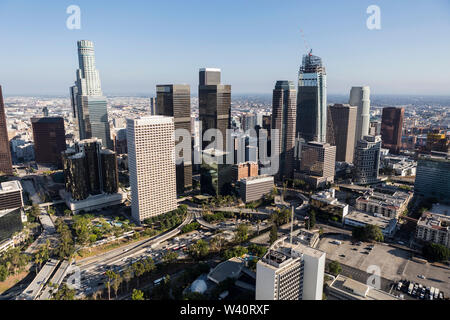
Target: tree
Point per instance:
(199, 249)
(139, 270)
(273, 236)
(217, 243)
(194, 296)
(241, 233)
(170, 257)
(81, 227)
(137, 295)
(67, 212)
(110, 276)
(35, 211)
(237, 251)
(127, 275)
(312, 218)
(64, 293)
(42, 255)
(436, 252)
(335, 268)
(368, 233)
(116, 283)
(3, 272)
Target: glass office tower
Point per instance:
(174, 100)
(311, 121)
(283, 119)
(88, 102)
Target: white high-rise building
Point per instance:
(360, 98)
(290, 271)
(151, 162)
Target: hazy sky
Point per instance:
(255, 42)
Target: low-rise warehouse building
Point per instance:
(362, 219)
(434, 225)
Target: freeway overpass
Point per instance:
(35, 287)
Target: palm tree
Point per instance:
(139, 270)
(127, 276)
(110, 276)
(116, 283)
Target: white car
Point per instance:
(421, 276)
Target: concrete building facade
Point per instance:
(367, 159)
(151, 162)
(290, 271)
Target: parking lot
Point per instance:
(395, 264)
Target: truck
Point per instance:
(410, 288)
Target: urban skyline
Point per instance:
(235, 51)
(222, 196)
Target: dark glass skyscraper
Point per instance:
(214, 104)
(174, 100)
(5, 151)
(49, 140)
(88, 102)
(311, 121)
(214, 113)
(391, 128)
(283, 119)
(90, 170)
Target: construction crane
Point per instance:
(307, 47)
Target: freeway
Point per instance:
(33, 290)
(92, 269)
(56, 280)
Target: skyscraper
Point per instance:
(90, 169)
(49, 140)
(311, 120)
(342, 119)
(174, 100)
(5, 151)
(214, 104)
(283, 119)
(153, 106)
(360, 98)
(367, 159)
(391, 128)
(151, 162)
(433, 177)
(317, 163)
(88, 102)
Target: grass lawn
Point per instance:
(85, 253)
(12, 280)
